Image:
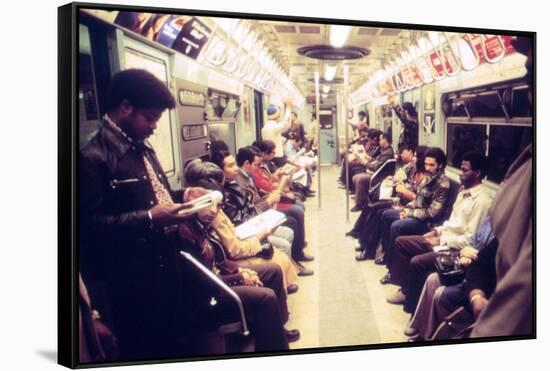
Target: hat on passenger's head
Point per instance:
(521, 44)
(273, 112)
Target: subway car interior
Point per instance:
(302, 185)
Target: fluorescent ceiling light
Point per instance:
(339, 35)
(330, 72)
(435, 38)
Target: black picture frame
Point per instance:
(68, 259)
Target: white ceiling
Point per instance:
(284, 38)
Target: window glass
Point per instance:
(505, 144)
(521, 107)
(486, 105)
(223, 131)
(462, 138)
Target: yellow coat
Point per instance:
(243, 251)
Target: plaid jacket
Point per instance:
(431, 198)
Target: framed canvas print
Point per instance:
(241, 185)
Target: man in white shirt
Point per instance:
(273, 129)
(414, 256)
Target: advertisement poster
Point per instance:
(428, 122)
(185, 34)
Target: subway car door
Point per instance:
(164, 140)
(328, 147)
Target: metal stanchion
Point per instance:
(346, 77)
(318, 140)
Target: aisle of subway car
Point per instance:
(343, 303)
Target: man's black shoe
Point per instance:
(352, 234)
(303, 271)
(358, 248)
(306, 258)
(380, 261)
(386, 279)
(292, 288)
(355, 209)
(362, 256)
(292, 335)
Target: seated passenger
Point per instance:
(361, 181)
(268, 171)
(437, 301)
(242, 252)
(248, 160)
(267, 183)
(413, 256)
(367, 227)
(357, 158)
(239, 204)
(419, 215)
(260, 287)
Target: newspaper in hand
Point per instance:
(300, 177)
(268, 220)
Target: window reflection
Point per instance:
(505, 144)
(462, 138)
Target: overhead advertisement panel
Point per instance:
(186, 34)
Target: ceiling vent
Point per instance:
(364, 31)
(310, 29)
(390, 32)
(328, 53)
(335, 81)
(285, 29)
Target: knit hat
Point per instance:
(273, 112)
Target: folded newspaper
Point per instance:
(265, 221)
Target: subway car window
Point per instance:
(485, 105)
(505, 145)
(87, 92)
(462, 138)
(521, 107)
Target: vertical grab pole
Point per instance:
(346, 81)
(316, 76)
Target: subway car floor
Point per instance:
(343, 303)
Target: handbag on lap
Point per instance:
(448, 267)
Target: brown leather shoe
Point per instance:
(398, 298)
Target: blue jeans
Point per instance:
(393, 227)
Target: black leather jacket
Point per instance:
(117, 243)
(239, 203)
(115, 187)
